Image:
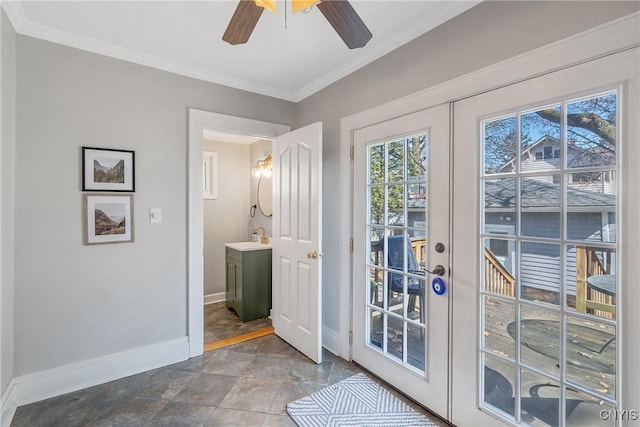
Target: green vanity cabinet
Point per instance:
(248, 279)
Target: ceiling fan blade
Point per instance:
(242, 22)
(345, 20)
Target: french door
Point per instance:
(401, 229)
(537, 324)
(546, 248)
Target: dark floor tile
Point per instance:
(61, 412)
(307, 370)
(206, 389)
(135, 413)
(251, 394)
(228, 362)
(290, 391)
(22, 417)
(279, 421)
(274, 346)
(165, 383)
(195, 364)
(269, 368)
(342, 370)
(182, 414)
(251, 346)
(222, 323)
(247, 384)
(224, 417)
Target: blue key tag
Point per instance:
(438, 286)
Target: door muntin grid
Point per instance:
(397, 206)
(548, 324)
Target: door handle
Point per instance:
(314, 254)
(438, 270)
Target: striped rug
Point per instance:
(356, 401)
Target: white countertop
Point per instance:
(248, 246)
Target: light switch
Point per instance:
(155, 215)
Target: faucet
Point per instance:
(263, 239)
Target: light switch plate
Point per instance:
(155, 215)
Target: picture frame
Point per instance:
(105, 169)
(108, 218)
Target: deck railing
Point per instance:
(589, 263)
(496, 278)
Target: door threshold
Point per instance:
(238, 339)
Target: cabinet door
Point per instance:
(233, 282)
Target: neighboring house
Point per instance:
(591, 205)
(544, 155)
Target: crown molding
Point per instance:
(15, 14)
(23, 26)
(27, 28)
(436, 19)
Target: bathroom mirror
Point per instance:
(265, 191)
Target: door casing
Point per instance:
(199, 121)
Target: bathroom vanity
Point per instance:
(248, 279)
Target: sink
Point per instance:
(248, 246)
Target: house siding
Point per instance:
(540, 262)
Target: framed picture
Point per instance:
(108, 218)
(104, 169)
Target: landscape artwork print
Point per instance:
(109, 218)
(107, 170)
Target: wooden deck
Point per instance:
(590, 363)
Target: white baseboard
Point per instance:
(8, 408)
(76, 376)
(331, 340)
(211, 298)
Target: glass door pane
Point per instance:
(396, 228)
(548, 242)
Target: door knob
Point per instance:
(438, 270)
(314, 254)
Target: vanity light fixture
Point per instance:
(263, 167)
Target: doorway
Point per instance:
(401, 212)
(535, 332)
(232, 209)
(200, 121)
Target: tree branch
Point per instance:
(589, 121)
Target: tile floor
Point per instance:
(222, 323)
(246, 384)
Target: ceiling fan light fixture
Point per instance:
(270, 5)
(303, 5)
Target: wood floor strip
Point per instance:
(240, 338)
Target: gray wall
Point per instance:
(7, 150)
(80, 302)
(226, 219)
(488, 33)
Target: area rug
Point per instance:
(356, 401)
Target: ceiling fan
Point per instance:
(340, 14)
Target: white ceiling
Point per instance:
(184, 37)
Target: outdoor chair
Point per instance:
(415, 288)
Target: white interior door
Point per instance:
(401, 230)
(549, 338)
(297, 244)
